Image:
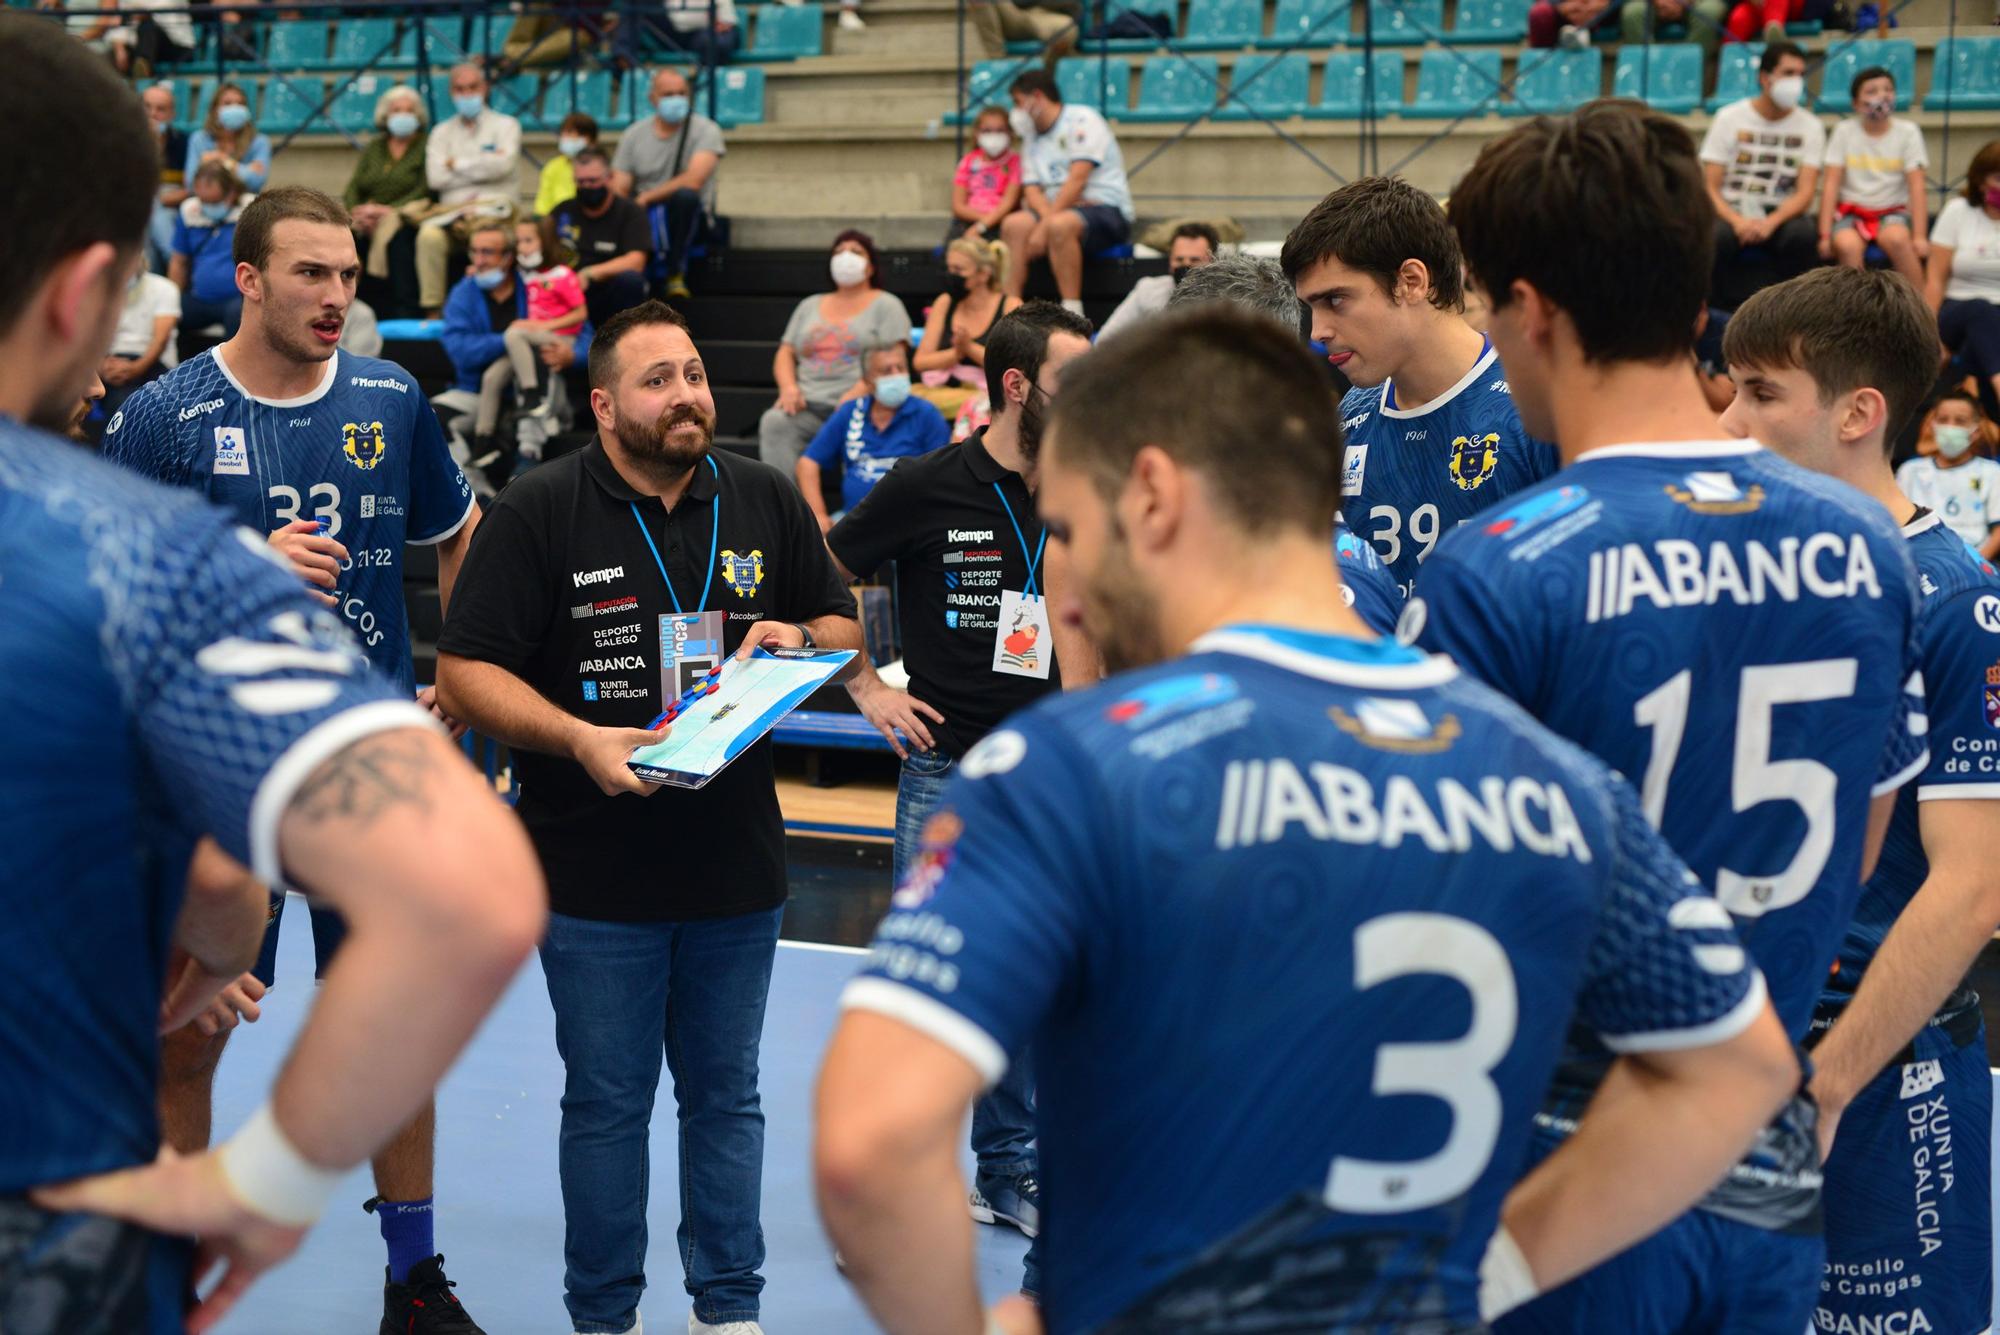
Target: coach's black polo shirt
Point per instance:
(939, 518)
(561, 589)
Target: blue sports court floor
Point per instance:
(499, 1219)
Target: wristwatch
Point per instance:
(805, 635)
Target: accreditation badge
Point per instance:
(690, 644)
(1022, 646)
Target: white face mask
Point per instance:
(1023, 123)
(1788, 91)
(1952, 441)
(529, 259)
(848, 268)
(993, 143)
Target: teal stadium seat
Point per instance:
(786, 32)
(1965, 75)
(296, 45)
(353, 109)
(1489, 21)
(1267, 87)
(1895, 54)
(589, 92)
(360, 44)
(1341, 90)
(1556, 82)
(516, 96)
(1310, 23)
(1223, 25)
(1667, 77)
(190, 101)
(289, 105)
(1168, 10)
(739, 96)
(986, 83)
(1176, 88)
(445, 42)
(1735, 73)
(1103, 85)
(1452, 84)
(1407, 22)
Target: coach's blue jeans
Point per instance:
(624, 995)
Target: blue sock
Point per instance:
(406, 1227)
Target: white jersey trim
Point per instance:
(1719, 1030)
(1910, 771)
(1465, 382)
(931, 1018)
(310, 396)
(1675, 449)
(1954, 792)
(1930, 521)
(471, 504)
(281, 782)
(1434, 670)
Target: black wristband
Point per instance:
(804, 634)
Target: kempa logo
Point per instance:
(628, 663)
(604, 576)
(362, 382)
(189, 414)
(968, 535)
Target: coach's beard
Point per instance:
(662, 449)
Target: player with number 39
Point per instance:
(1734, 633)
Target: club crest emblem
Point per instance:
(743, 574)
(1473, 459)
(363, 444)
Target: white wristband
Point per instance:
(268, 1174)
(1505, 1281)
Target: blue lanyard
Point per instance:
(1034, 557)
(714, 533)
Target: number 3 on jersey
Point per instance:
(326, 505)
(1388, 535)
(1754, 777)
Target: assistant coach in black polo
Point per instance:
(598, 585)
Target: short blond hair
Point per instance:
(988, 255)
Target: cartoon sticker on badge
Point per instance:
(1021, 646)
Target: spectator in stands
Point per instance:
(867, 435)
(229, 137)
(472, 161)
(1193, 245)
(818, 366)
(556, 36)
(1075, 201)
(1745, 19)
(1703, 20)
(479, 319)
(389, 180)
(558, 182)
(154, 38)
(556, 309)
(953, 357)
(987, 185)
(1964, 275)
(203, 266)
(610, 237)
(1247, 282)
(143, 348)
(666, 165)
(1050, 24)
(1957, 478)
(1762, 157)
(687, 25)
(1874, 190)
(159, 103)
(1570, 23)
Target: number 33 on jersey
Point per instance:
(1410, 475)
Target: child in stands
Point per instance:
(1956, 477)
(987, 185)
(1874, 189)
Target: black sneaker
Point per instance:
(424, 1304)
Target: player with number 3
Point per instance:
(1734, 633)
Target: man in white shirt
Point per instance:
(1076, 201)
(1193, 245)
(1762, 157)
(473, 161)
(143, 348)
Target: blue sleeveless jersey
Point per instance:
(364, 453)
(1295, 926)
(158, 666)
(1365, 583)
(1411, 476)
(1735, 634)
(1958, 626)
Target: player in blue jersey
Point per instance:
(164, 680)
(1829, 368)
(1733, 632)
(1294, 918)
(1430, 429)
(341, 460)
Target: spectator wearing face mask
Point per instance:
(610, 237)
(1874, 189)
(204, 261)
(1963, 282)
(229, 136)
(866, 436)
(558, 182)
(1193, 245)
(159, 103)
(389, 184)
(818, 364)
(1762, 157)
(953, 356)
(987, 185)
(1959, 481)
(666, 165)
(472, 159)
